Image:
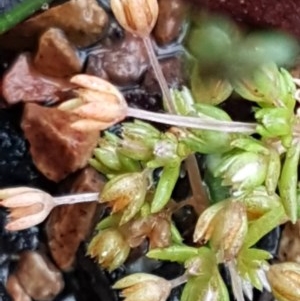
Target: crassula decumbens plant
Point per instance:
(252, 181)
(250, 169)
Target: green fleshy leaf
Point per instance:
(183, 101)
(108, 157)
(166, 184)
(109, 221)
(217, 191)
(128, 164)
(273, 171)
(222, 287)
(251, 145)
(209, 90)
(204, 286)
(256, 254)
(264, 225)
(288, 89)
(288, 182)
(100, 167)
(174, 253)
(175, 234)
(274, 121)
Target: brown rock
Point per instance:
(15, 290)
(22, 82)
(56, 56)
(69, 225)
(56, 148)
(38, 276)
(122, 63)
(83, 22)
(170, 21)
(289, 246)
(173, 71)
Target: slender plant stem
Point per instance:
(179, 280)
(76, 198)
(19, 13)
(193, 122)
(199, 196)
(199, 199)
(159, 75)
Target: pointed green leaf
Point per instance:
(251, 145)
(174, 253)
(264, 225)
(288, 181)
(166, 184)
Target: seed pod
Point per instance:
(126, 193)
(110, 248)
(284, 279)
(141, 286)
(28, 206)
(136, 16)
(205, 223)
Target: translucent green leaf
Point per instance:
(251, 145)
(209, 89)
(264, 225)
(174, 253)
(288, 182)
(166, 184)
(108, 157)
(273, 171)
(109, 221)
(100, 167)
(175, 234)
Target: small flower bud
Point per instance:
(110, 248)
(126, 193)
(210, 90)
(284, 279)
(262, 85)
(229, 231)
(136, 16)
(141, 131)
(156, 227)
(205, 223)
(139, 139)
(243, 170)
(144, 287)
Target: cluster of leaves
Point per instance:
(252, 180)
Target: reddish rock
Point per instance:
(39, 278)
(22, 82)
(15, 290)
(56, 148)
(122, 63)
(170, 21)
(56, 56)
(69, 225)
